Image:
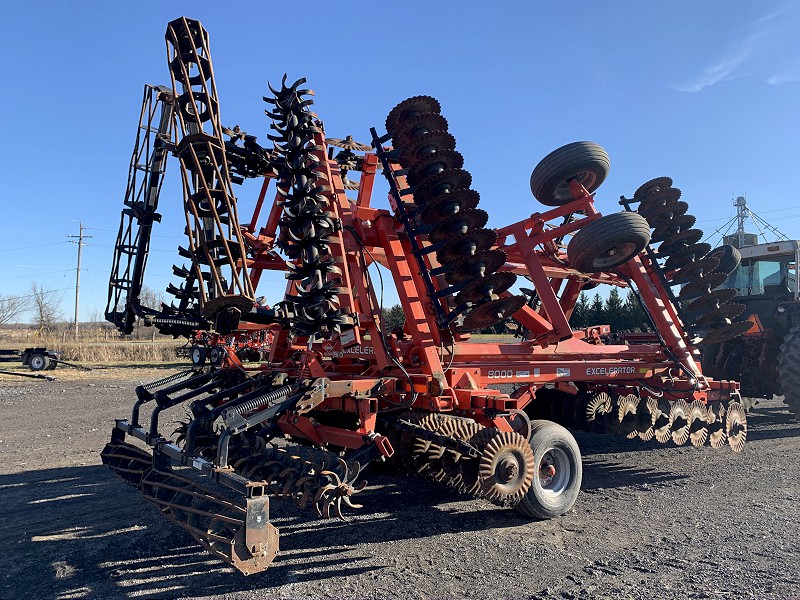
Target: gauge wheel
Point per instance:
(585, 162)
(557, 475)
(729, 258)
(608, 242)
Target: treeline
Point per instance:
(621, 314)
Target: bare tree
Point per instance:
(151, 298)
(45, 308)
(11, 307)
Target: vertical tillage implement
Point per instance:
(296, 400)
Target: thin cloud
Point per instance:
(722, 71)
(789, 73)
(748, 55)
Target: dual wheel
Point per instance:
(602, 244)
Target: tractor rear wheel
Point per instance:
(789, 370)
(608, 242)
(585, 162)
(558, 472)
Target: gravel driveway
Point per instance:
(651, 521)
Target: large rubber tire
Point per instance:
(38, 362)
(729, 258)
(608, 242)
(585, 161)
(789, 370)
(551, 497)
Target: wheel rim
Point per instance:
(586, 178)
(615, 255)
(554, 473)
(37, 363)
(198, 356)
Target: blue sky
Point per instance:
(705, 92)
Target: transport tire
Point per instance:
(585, 161)
(608, 242)
(789, 370)
(558, 472)
(729, 258)
(198, 355)
(38, 362)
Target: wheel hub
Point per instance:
(547, 471)
(507, 469)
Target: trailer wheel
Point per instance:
(729, 258)
(198, 355)
(585, 162)
(789, 370)
(38, 362)
(558, 472)
(608, 242)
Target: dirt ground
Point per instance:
(651, 521)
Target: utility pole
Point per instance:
(80, 237)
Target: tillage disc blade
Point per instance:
(736, 426)
(727, 332)
(717, 432)
(492, 312)
(506, 467)
(654, 185)
(410, 108)
(698, 424)
(679, 421)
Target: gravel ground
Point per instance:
(651, 521)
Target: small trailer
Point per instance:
(36, 359)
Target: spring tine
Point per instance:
(338, 506)
(350, 503)
(303, 500)
(332, 475)
(303, 480)
(326, 509)
(286, 492)
(321, 492)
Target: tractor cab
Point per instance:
(767, 271)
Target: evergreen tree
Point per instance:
(634, 317)
(580, 314)
(393, 317)
(597, 313)
(614, 313)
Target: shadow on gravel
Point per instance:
(603, 475)
(78, 532)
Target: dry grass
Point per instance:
(95, 346)
(141, 373)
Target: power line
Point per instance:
(33, 295)
(37, 275)
(31, 247)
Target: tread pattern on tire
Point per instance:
(729, 258)
(528, 508)
(608, 231)
(567, 158)
(789, 370)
